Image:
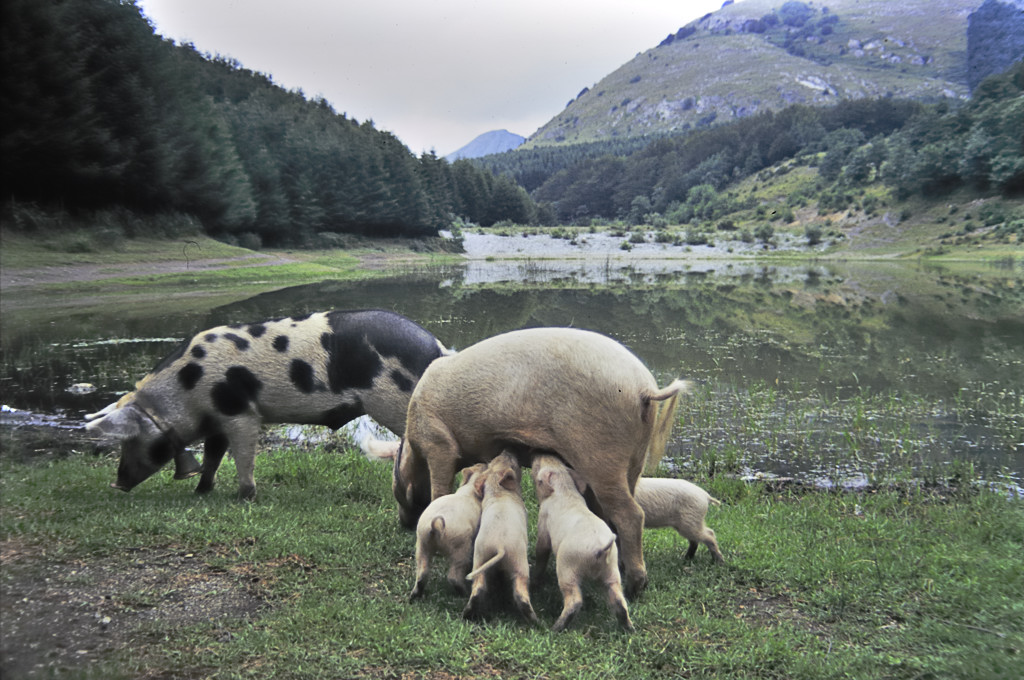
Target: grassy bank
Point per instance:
(311, 581)
(46, 271)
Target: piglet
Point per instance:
(681, 505)
(502, 539)
(449, 526)
(583, 545)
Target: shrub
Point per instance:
(695, 237)
(656, 220)
(992, 214)
(813, 234)
(764, 232)
(328, 240)
(1013, 228)
(786, 215)
(250, 241)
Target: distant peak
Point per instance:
(495, 141)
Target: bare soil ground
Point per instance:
(60, 618)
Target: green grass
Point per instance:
(54, 248)
(880, 585)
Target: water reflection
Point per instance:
(832, 331)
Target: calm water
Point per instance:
(807, 332)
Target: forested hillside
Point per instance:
(100, 112)
(914, 148)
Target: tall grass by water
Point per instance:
(855, 437)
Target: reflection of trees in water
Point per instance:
(807, 327)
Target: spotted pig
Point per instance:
(222, 385)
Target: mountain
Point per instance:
(495, 141)
(758, 55)
(995, 39)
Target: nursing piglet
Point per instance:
(449, 526)
(501, 542)
(583, 545)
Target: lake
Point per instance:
(844, 374)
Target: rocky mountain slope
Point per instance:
(757, 55)
(995, 39)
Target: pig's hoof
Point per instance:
(526, 611)
(474, 610)
(622, 614)
(247, 493)
(636, 586)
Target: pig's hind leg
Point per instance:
(242, 434)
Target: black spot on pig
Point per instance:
(161, 452)
(210, 337)
(351, 362)
(257, 330)
(403, 383)
(413, 346)
(190, 374)
(208, 426)
(239, 389)
(301, 374)
(281, 343)
(241, 343)
(339, 415)
(198, 352)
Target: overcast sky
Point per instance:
(436, 73)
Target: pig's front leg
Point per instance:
(213, 453)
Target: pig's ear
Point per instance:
(508, 480)
(104, 411)
(544, 476)
(121, 423)
(478, 483)
(581, 485)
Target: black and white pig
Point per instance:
(222, 385)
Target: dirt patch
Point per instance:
(40, 443)
(768, 610)
(63, 618)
